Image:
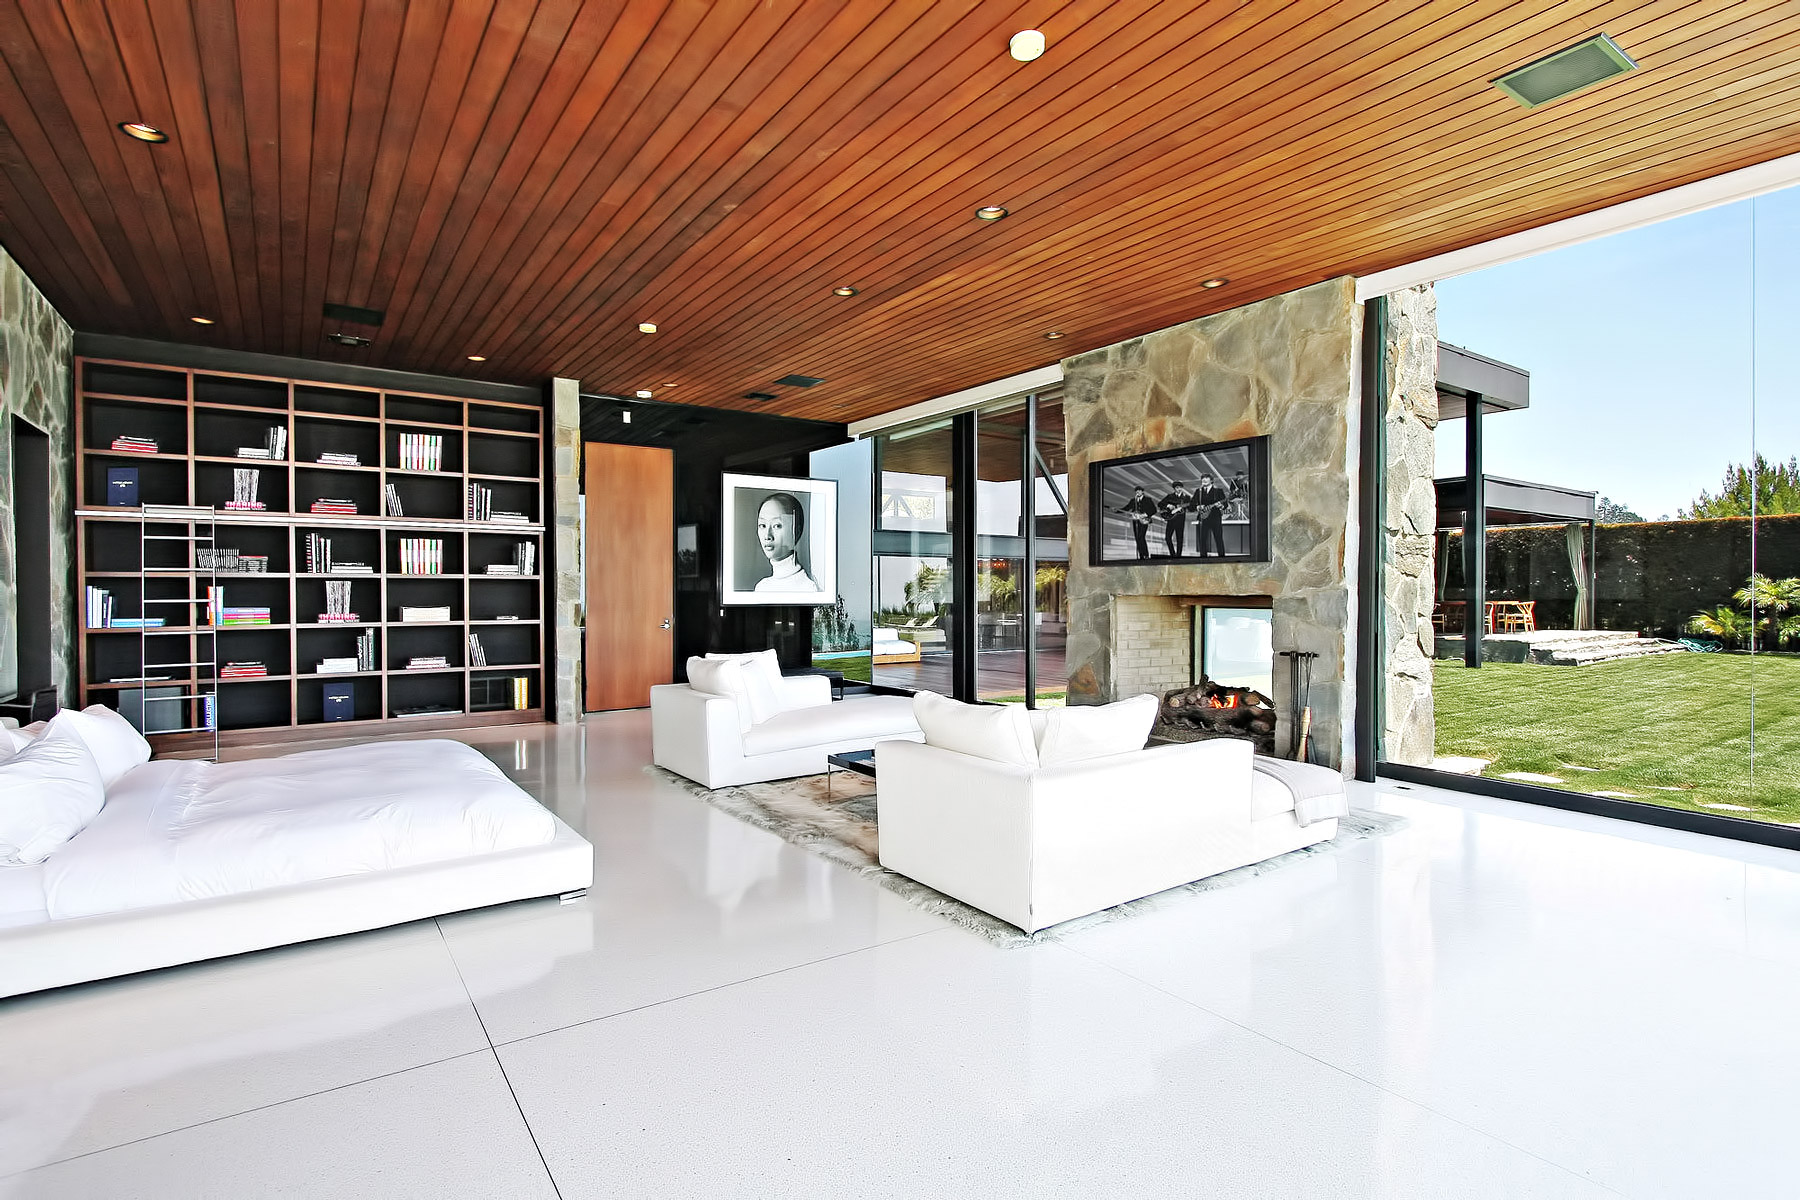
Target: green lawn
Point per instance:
(1672, 730)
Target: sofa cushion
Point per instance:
(863, 719)
(996, 732)
(1077, 734)
(1269, 797)
(722, 677)
(762, 681)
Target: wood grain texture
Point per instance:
(529, 179)
(630, 567)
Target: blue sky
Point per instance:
(1657, 356)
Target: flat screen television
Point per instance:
(1194, 505)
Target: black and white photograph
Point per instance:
(780, 540)
(1197, 504)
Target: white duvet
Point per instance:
(174, 831)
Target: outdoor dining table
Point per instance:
(1509, 616)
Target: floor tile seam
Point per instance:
(244, 1112)
(1350, 1074)
(511, 1091)
(719, 987)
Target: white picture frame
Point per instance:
(778, 541)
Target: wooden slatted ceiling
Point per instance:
(529, 179)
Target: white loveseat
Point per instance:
(1037, 845)
(703, 735)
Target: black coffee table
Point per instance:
(860, 762)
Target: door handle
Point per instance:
(665, 623)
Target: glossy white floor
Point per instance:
(1497, 1001)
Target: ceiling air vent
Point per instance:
(759, 395)
(353, 314)
(798, 381)
(1566, 72)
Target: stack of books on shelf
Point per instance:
(134, 445)
(244, 670)
(339, 666)
(390, 496)
(427, 662)
(477, 653)
(337, 603)
(244, 481)
(227, 561)
(340, 507)
(421, 556)
(424, 614)
(274, 445)
(429, 710)
(521, 692)
(336, 458)
(99, 613)
(478, 503)
(499, 517)
(224, 615)
(421, 452)
(524, 561)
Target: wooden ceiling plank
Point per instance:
(681, 56)
(296, 67)
(258, 42)
(339, 31)
(68, 128)
(215, 38)
(380, 65)
(44, 257)
(515, 47)
(558, 47)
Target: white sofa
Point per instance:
(1036, 846)
(701, 735)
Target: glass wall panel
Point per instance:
(1000, 586)
(913, 570)
(842, 634)
(1620, 658)
(1050, 628)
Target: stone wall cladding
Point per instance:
(563, 681)
(1409, 571)
(36, 362)
(1286, 367)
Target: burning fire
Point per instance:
(1229, 700)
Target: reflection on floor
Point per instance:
(1497, 1001)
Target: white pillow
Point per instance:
(762, 676)
(1073, 735)
(722, 677)
(12, 740)
(49, 791)
(115, 744)
(997, 732)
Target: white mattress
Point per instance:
(175, 831)
(21, 895)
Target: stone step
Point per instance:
(1587, 656)
(1559, 647)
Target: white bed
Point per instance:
(193, 860)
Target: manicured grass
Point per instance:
(1674, 730)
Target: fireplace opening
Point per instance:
(1231, 684)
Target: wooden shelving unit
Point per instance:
(199, 419)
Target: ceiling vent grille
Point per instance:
(759, 395)
(1566, 72)
(798, 381)
(353, 314)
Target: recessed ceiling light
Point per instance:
(843, 291)
(143, 132)
(644, 393)
(646, 327)
(1026, 45)
(477, 358)
(992, 212)
(1217, 281)
(669, 384)
(201, 320)
(1054, 334)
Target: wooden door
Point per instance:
(630, 568)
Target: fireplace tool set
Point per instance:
(1300, 670)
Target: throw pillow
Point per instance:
(997, 732)
(114, 742)
(49, 791)
(722, 677)
(1074, 735)
(762, 676)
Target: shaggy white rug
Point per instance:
(834, 817)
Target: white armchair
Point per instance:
(1036, 846)
(703, 736)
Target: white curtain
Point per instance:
(1576, 538)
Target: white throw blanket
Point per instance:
(1318, 791)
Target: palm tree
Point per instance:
(1724, 622)
(1769, 601)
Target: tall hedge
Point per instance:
(1652, 575)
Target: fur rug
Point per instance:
(834, 817)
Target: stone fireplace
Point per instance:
(1286, 367)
